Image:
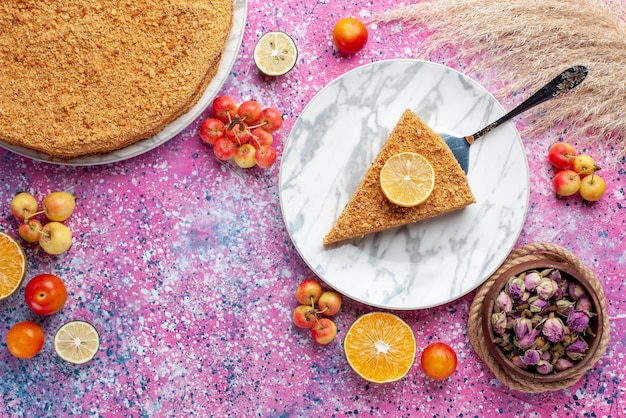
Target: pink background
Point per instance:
(185, 267)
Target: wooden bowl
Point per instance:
(596, 322)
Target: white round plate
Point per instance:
(233, 44)
(330, 148)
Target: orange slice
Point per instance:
(13, 265)
(407, 179)
(380, 347)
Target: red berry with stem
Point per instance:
(308, 292)
(211, 130)
(224, 108)
(260, 136)
(265, 156)
(224, 149)
(250, 112)
(271, 119)
(324, 331)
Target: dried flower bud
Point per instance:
(529, 340)
(553, 329)
(499, 322)
(544, 367)
(576, 291)
(504, 302)
(584, 304)
(546, 356)
(556, 276)
(522, 327)
(518, 361)
(531, 280)
(541, 344)
(546, 288)
(538, 305)
(515, 287)
(564, 306)
(561, 290)
(532, 357)
(563, 364)
(578, 321)
(577, 349)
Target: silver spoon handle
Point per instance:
(562, 83)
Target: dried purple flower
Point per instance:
(584, 304)
(531, 280)
(555, 275)
(546, 288)
(518, 361)
(529, 340)
(578, 321)
(544, 367)
(553, 329)
(515, 287)
(532, 357)
(538, 305)
(522, 327)
(577, 349)
(563, 364)
(564, 306)
(576, 291)
(498, 322)
(546, 356)
(504, 302)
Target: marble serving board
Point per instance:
(331, 146)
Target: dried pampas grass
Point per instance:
(528, 42)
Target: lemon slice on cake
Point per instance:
(407, 179)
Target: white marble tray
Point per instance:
(334, 141)
(233, 44)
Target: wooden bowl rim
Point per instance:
(596, 322)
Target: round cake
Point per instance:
(82, 77)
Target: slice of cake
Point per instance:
(369, 211)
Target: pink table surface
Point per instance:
(185, 267)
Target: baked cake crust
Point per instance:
(80, 77)
(369, 211)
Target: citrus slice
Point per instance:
(77, 342)
(275, 53)
(13, 265)
(380, 347)
(407, 179)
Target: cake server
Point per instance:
(562, 83)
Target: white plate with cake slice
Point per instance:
(229, 55)
(331, 146)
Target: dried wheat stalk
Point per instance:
(528, 42)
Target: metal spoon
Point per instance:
(564, 82)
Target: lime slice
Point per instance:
(77, 342)
(275, 53)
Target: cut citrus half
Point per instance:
(407, 179)
(13, 265)
(275, 53)
(380, 347)
(77, 342)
